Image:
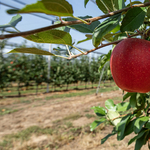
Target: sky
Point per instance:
(30, 22)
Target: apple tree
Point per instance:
(122, 20)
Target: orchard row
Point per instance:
(28, 68)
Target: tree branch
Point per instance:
(104, 45)
(67, 23)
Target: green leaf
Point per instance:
(13, 22)
(112, 115)
(104, 59)
(87, 39)
(109, 135)
(109, 104)
(139, 124)
(31, 50)
(137, 137)
(141, 141)
(51, 36)
(116, 29)
(128, 94)
(148, 12)
(100, 111)
(104, 28)
(133, 100)
(110, 5)
(96, 123)
(124, 106)
(50, 7)
(106, 5)
(101, 5)
(121, 127)
(120, 36)
(133, 19)
(108, 37)
(64, 28)
(88, 36)
(129, 127)
(84, 28)
(85, 2)
(121, 4)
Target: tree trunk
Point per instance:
(19, 94)
(36, 88)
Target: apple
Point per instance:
(130, 65)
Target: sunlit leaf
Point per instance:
(96, 123)
(104, 28)
(109, 104)
(50, 7)
(124, 106)
(51, 36)
(113, 115)
(100, 111)
(31, 50)
(139, 124)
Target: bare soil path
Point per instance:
(44, 113)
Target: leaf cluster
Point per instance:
(126, 117)
(118, 25)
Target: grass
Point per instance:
(69, 117)
(81, 93)
(65, 95)
(62, 130)
(90, 116)
(72, 117)
(69, 124)
(24, 135)
(13, 91)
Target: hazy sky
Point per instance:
(30, 22)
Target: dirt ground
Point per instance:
(63, 115)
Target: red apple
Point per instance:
(130, 65)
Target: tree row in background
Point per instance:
(26, 69)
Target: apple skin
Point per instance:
(130, 65)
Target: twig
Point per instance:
(67, 23)
(94, 49)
